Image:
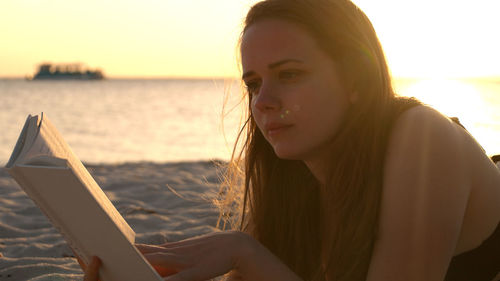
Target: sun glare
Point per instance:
(456, 98)
(451, 97)
(437, 39)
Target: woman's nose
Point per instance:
(267, 99)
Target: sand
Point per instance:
(31, 249)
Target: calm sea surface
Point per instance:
(115, 121)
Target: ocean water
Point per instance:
(115, 121)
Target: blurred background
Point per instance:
(169, 64)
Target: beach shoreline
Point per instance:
(160, 201)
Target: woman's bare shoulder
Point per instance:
(422, 115)
(432, 145)
(428, 150)
(424, 126)
(424, 132)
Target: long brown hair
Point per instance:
(320, 232)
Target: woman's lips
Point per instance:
(276, 128)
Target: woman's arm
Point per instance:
(209, 256)
(425, 193)
(215, 254)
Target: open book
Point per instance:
(55, 179)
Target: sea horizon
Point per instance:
(121, 120)
(107, 77)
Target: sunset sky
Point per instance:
(197, 38)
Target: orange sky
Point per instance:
(197, 38)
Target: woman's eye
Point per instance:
(289, 75)
(252, 87)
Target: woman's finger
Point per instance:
(179, 248)
(169, 245)
(163, 272)
(193, 274)
(166, 260)
(92, 271)
(193, 240)
(146, 249)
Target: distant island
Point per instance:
(70, 71)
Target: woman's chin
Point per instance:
(287, 153)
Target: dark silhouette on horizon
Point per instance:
(72, 71)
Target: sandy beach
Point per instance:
(161, 202)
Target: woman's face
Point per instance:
(297, 98)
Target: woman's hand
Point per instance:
(215, 254)
(92, 270)
(199, 258)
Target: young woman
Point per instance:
(342, 179)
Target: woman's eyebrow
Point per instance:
(271, 66)
(278, 63)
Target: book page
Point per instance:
(50, 144)
(47, 142)
(25, 140)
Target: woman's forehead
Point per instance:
(270, 40)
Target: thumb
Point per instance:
(92, 271)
